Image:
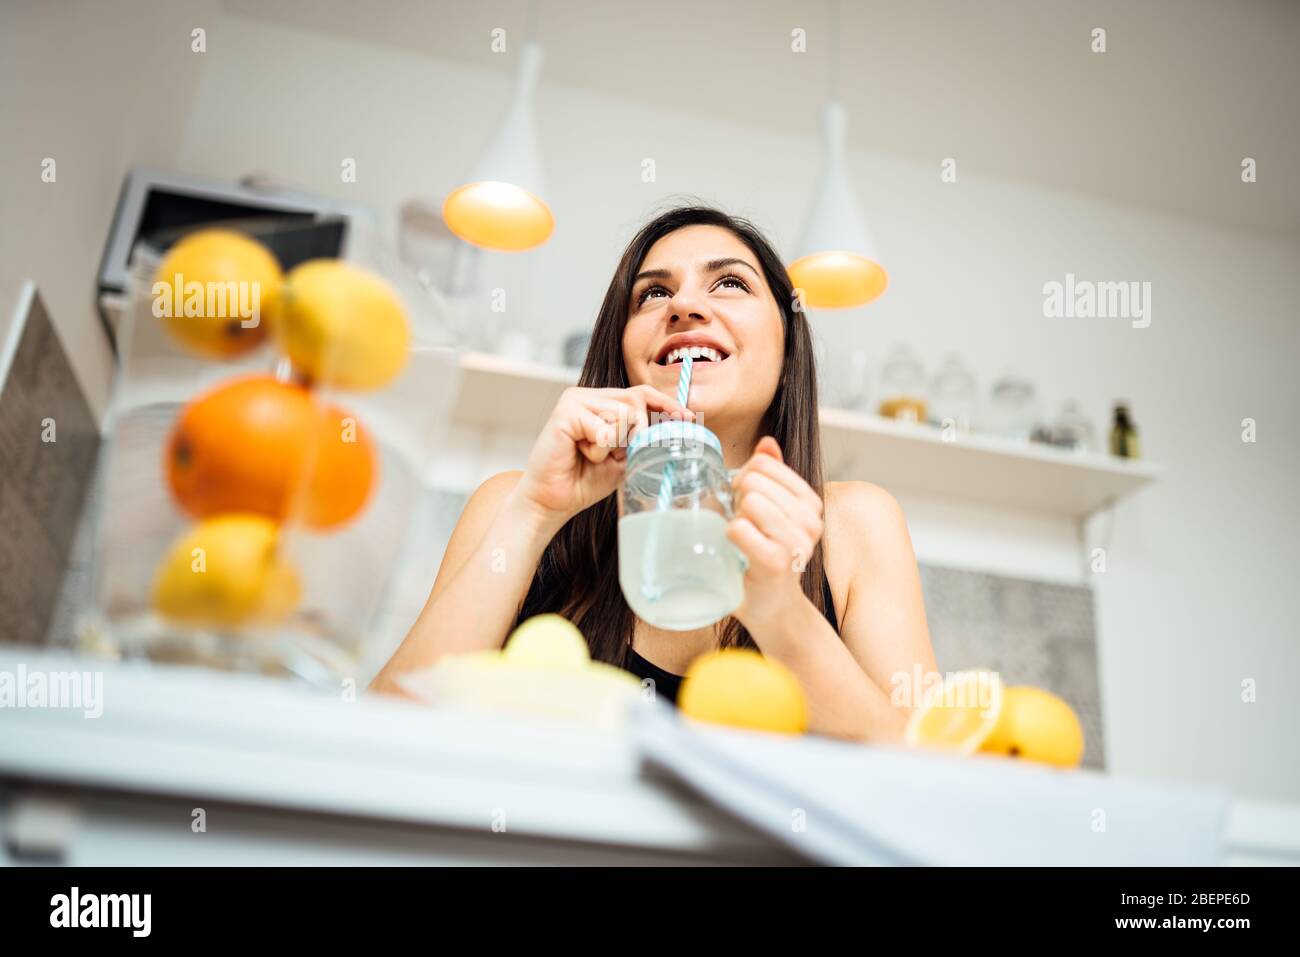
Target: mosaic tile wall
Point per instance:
(48, 445)
(1031, 632)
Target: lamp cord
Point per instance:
(834, 59)
(532, 20)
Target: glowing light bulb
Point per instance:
(838, 280)
(498, 215)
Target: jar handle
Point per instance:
(729, 498)
(727, 494)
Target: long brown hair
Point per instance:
(577, 576)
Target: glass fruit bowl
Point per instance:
(257, 494)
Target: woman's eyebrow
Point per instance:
(713, 265)
(653, 274)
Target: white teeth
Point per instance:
(695, 352)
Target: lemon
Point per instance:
(341, 325)
(225, 572)
(214, 289)
(548, 642)
(1038, 726)
(960, 714)
(739, 687)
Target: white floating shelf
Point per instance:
(509, 394)
(985, 469)
(501, 393)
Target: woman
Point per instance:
(838, 601)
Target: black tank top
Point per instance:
(668, 684)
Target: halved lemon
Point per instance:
(960, 714)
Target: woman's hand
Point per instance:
(778, 523)
(578, 457)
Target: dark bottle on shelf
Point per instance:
(1123, 434)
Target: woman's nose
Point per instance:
(688, 304)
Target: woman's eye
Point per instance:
(732, 282)
(651, 293)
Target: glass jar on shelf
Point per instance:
(902, 386)
(953, 399)
(857, 386)
(1013, 408)
(1072, 429)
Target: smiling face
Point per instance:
(701, 289)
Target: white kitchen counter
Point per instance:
(289, 775)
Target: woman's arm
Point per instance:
(509, 520)
(851, 677)
(884, 616)
(848, 677)
(485, 573)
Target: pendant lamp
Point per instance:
(837, 265)
(500, 205)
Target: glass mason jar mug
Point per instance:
(676, 566)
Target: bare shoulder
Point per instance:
(482, 507)
(497, 487)
(863, 526)
(475, 520)
(860, 505)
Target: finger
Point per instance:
(769, 446)
(785, 476)
(622, 415)
(794, 506)
(769, 519)
(656, 400)
(640, 401)
(761, 551)
(627, 413)
(634, 409)
(597, 400)
(609, 471)
(595, 437)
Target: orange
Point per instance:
(256, 444)
(215, 291)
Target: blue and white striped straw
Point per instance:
(684, 381)
(650, 588)
(683, 393)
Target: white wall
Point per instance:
(98, 88)
(1198, 594)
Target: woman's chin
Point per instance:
(708, 404)
(712, 389)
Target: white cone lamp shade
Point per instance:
(501, 206)
(837, 266)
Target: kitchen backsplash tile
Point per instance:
(1030, 632)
